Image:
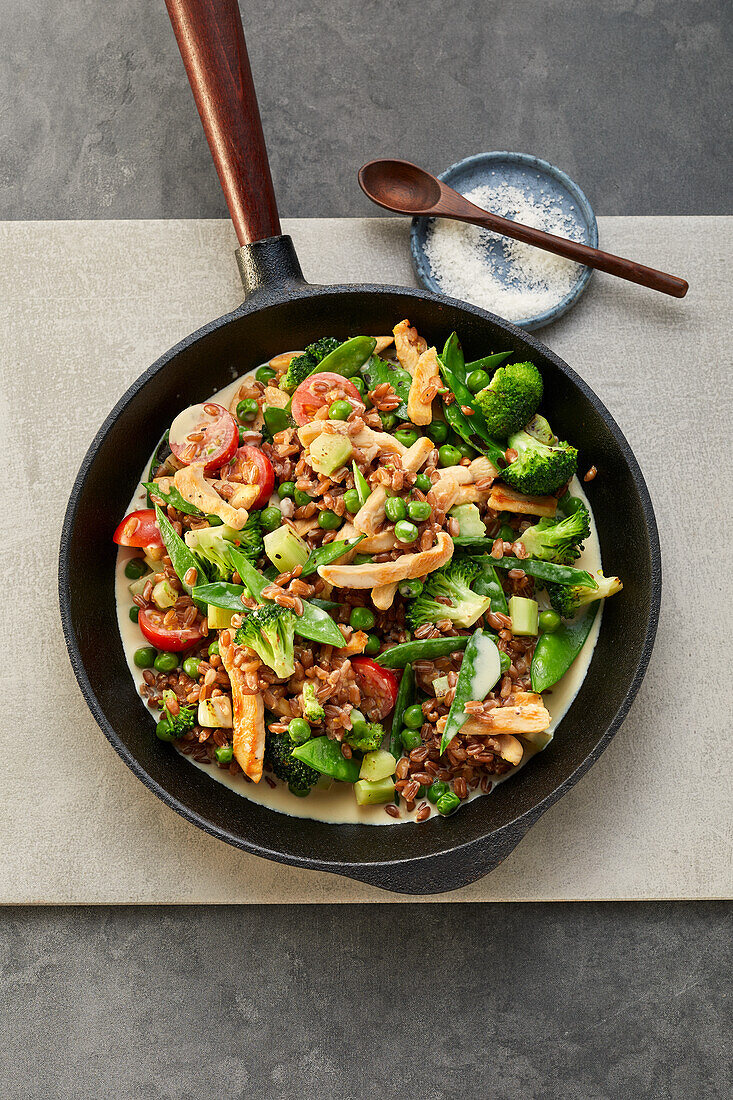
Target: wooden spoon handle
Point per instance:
(581, 253)
(211, 40)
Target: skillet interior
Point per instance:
(442, 854)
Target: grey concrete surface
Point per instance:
(537, 1002)
(631, 97)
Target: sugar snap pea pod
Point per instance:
(464, 397)
(325, 555)
(405, 695)
(377, 370)
(480, 672)
(325, 605)
(173, 497)
(221, 594)
(399, 656)
(487, 583)
(276, 420)
(315, 624)
(542, 570)
(452, 356)
(182, 559)
(554, 653)
(348, 357)
(361, 484)
(326, 757)
(488, 363)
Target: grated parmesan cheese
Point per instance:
(506, 277)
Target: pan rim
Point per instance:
(358, 869)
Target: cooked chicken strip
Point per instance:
(373, 574)
(445, 489)
(383, 342)
(504, 499)
(527, 718)
(383, 596)
(248, 738)
(372, 443)
(425, 385)
(370, 516)
(409, 345)
(482, 468)
(193, 487)
(244, 496)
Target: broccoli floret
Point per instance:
(312, 709)
(278, 752)
(365, 736)
(270, 632)
(539, 469)
(250, 538)
(510, 399)
(566, 599)
(211, 547)
(559, 542)
(302, 365)
(172, 726)
(452, 582)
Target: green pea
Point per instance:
(214, 648)
(407, 436)
(134, 612)
(299, 792)
(410, 739)
(405, 531)
(549, 622)
(437, 431)
(569, 505)
(465, 450)
(215, 521)
(395, 509)
(329, 521)
(264, 374)
(224, 753)
(447, 804)
(247, 409)
(359, 384)
(388, 421)
(410, 589)
(362, 559)
(436, 790)
(270, 518)
(477, 380)
(135, 568)
(448, 455)
(287, 489)
(419, 510)
(165, 662)
(362, 618)
(352, 502)
(301, 498)
(299, 731)
(340, 410)
(164, 730)
(191, 667)
(507, 533)
(423, 483)
(373, 645)
(413, 717)
(144, 657)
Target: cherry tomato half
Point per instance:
(139, 529)
(204, 433)
(251, 467)
(378, 687)
(172, 639)
(319, 390)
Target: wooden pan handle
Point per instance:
(211, 40)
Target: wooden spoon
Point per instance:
(403, 187)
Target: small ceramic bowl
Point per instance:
(534, 177)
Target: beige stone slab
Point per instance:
(86, 306)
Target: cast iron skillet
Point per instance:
(282, 311)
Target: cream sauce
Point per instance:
(337, 803)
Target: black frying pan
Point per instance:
(282, 311)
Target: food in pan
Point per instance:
(362, 583)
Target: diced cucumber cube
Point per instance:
(329, 452)
(469, 520)
(164, 594)
(216, 713)
(374, 793)
(285, 549)
(219, 618)
(524, 614)
(377, 765)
